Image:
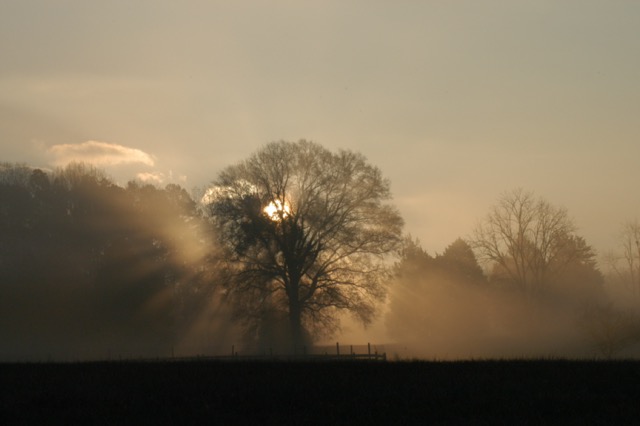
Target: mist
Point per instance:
(461, 323)
(436, 313)
(93, 270)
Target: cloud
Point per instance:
(159, 177)
(99, 154)
(153, 177)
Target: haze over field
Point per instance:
(456, 102)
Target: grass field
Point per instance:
(472, 392)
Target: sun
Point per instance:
(277, 210)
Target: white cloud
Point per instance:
(153, 177)
(160, 178)
(99, 154)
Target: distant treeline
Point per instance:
(91, 269)
(537, 300)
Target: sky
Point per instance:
(455, 101)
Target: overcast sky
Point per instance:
(456, 101)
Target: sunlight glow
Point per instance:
(240, 188)
(276, 210)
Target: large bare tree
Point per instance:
(525, 237)
(305, 232)
(626, 264)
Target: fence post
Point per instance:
(369, 349)
(338, 348)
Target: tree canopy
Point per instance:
(88, 267)
(525, 237)
(305, 233)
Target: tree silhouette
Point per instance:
(525, 237)
(305, 233)
(460, 262)
(88, 266)
(625, 265)
(437, 299)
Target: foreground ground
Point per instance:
(474, 392)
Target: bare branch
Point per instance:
(329, 252)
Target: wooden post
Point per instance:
(351, 349)
(337, 348)
(369, 349)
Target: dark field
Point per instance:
(490, 392)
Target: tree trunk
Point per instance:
(295, 312)
(295, 324)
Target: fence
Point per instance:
(335, 352)
(304, 353)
